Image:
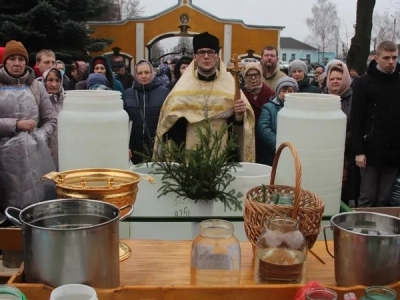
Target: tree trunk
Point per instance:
(361, 42)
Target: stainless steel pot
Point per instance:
(366, 248)
(70, 241)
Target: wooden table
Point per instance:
(160, 270)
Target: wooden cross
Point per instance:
(235, 71)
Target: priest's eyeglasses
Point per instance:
(204, 52)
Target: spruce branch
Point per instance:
(203, 173)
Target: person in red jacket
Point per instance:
(1, 54)
(258, 93)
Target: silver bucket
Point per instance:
(366, 248)
(70, 241)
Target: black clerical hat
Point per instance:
(205, 40)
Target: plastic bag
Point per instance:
(301, 294)
(24, 159)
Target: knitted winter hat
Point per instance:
(298, 65)
(286, 81)
(98, 61)
(96, 78)
(15, 48)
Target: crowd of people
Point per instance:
(174, 101)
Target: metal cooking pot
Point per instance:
(69, 241)
(118, 187)
(366, 248)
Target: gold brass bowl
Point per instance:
(118, 187)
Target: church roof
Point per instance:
(291, 43)
(195, 7)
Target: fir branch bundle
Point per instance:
(203, 173)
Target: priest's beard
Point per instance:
(206, 73)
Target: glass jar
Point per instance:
(321, 294)
(282, 199)
(215, 258)
(379, 293)
(280, 252)
(10, 293)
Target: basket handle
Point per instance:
(297, 165)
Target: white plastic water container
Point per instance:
(316, 126)
(247, 176)
(147, 201)
(149, 205)
(93, 130)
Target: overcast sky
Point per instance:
(288, 13)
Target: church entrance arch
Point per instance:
(137, 36)
(182, 49)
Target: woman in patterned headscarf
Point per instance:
(164, 74)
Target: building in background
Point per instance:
(292, 49)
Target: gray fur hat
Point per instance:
(298, 65)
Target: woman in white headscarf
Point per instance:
(52, 80)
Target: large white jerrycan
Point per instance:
(247, 176)
(316, 126)
(92, 131)
(147, 201)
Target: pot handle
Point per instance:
(129, 212)
(326, 241)
(15, 221)
(147, 178)
(55, 176)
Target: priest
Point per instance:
(206, 92)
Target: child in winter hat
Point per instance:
(15, 48)
(286, 82)
(268, 122)
(97, 81)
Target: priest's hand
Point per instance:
(240, 107)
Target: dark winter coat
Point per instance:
(375, 117)
(345, 104)
(305, 86)
(150, 100)
(266, 129)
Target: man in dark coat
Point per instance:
(375, 126)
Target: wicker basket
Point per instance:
(308, 207)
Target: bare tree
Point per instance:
(324, 25)
(129, 8)
(361, 42)
(157, 50)
(186, 43)
(120, 10)
(384, 28)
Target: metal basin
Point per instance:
(366, 248)
(70, 241)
